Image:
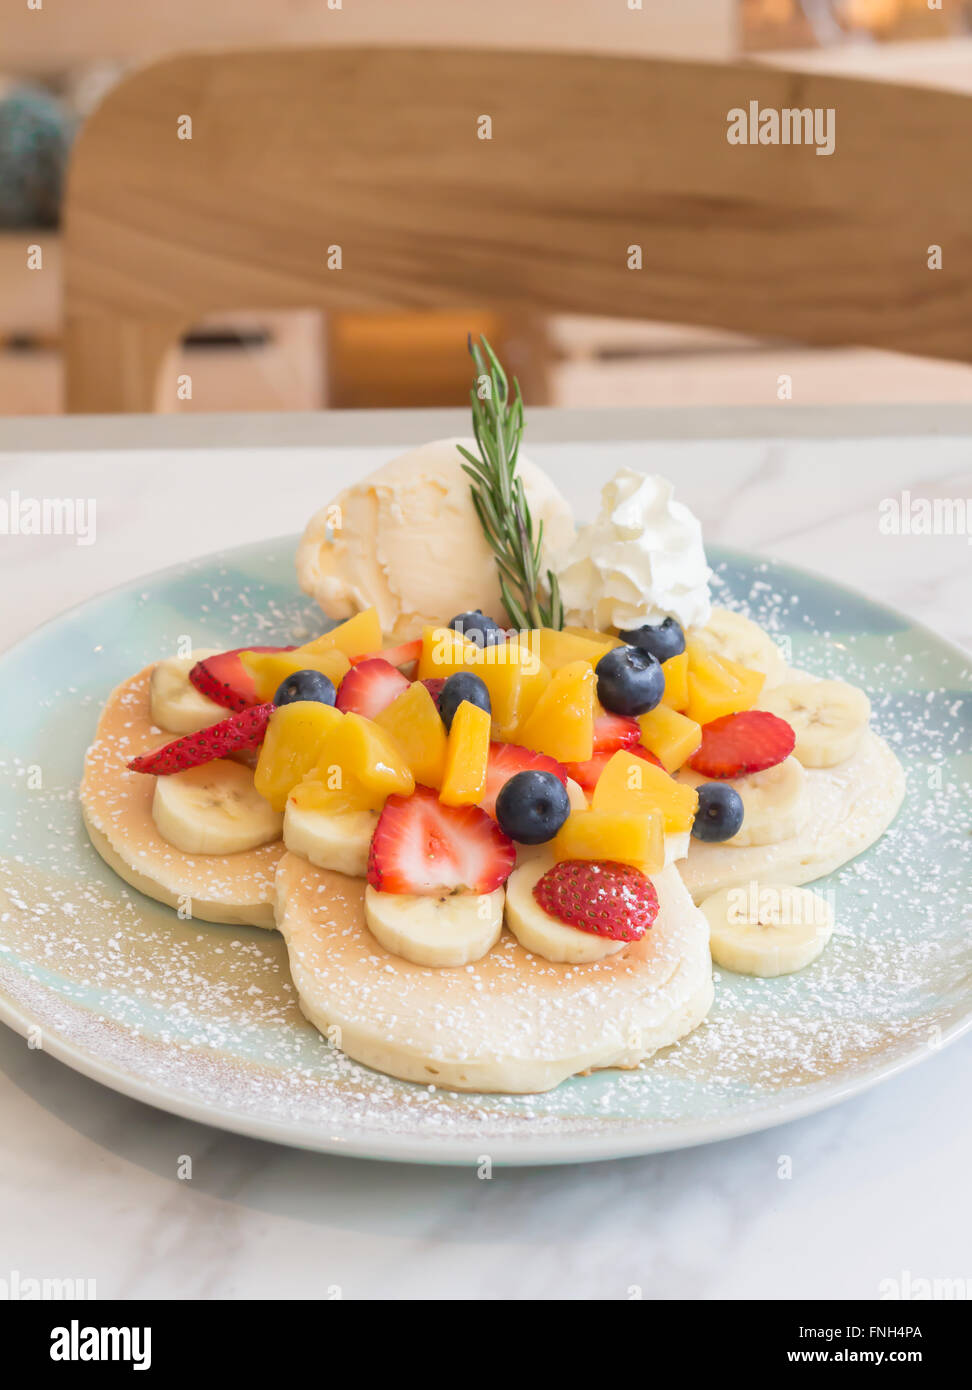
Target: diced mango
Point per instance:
(629, 783)
(270, 669)
(676, 682)
(752, 682)
(561, 723)
(292, 744)
(362, 750)
(444, 652)
(362, 633)
(606, 639)
(531, 686)
(626, 837)
(315, 794)
(714, 687)
(467, 755)
(509, 671)
(414, 722)
(671, 736)
(558, 648)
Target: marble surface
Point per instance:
(90, 1183)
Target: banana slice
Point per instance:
(828, 718)
(542, 934)
(331, 840)
(767, 929)
(453, 929)
(176, 705)
(677, 846)
(774, 802)
(213, 809)
(739, 639)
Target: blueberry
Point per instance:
(532, 806)
(305, 685)
(720, 812)
(478, 628)
(629, 680)
(664, 640)
(462, 686)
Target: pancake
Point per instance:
(511, 1022)
(117, 811)
(848, 807)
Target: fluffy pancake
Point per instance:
(117, 809)
(511, 1022)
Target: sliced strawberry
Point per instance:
(433, 685)
(614, 731)
(406, 654)
(587, 773)
(505, 761)
(369, 687)
(242, 730)
(226, 680)
(738, 744)
(420, 846)
(599, 896)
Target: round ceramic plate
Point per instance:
(202, 1020)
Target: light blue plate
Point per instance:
(202, 1020)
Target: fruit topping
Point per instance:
(629, 784)
(586, 774)
(362, 750)
(415, 724)
(269, 670)
(561, 723)
(515, 679)
(532, 806)
(720, 812)
(362, 633)
(369, 687)
(663, 640)
(462, 688)
(558, 649)
(444, 652)
(505, 761)
(476, 627)
(467, 753)
(605, 898)
(629, 681)
(434, 686)
(671, 736)
(420, 846)
(628, 837)
(295, 736)
(737, 744)
(245, 729)
(224, 679)
(613, 731)
(406, 654)
(305, 685)
(676, 694)
(717, 686)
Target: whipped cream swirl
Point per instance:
(642, 560)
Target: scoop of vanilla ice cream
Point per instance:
(642, 560)
(407, 541)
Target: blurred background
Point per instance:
(56, 66)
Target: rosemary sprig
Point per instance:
(499, 499)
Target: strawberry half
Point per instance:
(226, 680)
(245, 729)
(614, 731)
(599, 896)
(406, 654)
(370, 686)
(505, 761)
(738, 744)
(587, 773)
(420, 846)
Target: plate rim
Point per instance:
(437, 1149)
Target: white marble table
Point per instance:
(88, 1180)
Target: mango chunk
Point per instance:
(626, 837)
(366, 753)
(359, 634)
(414, 722)
(510, 672)
(270, 669)
(467, 755)
(292, 744)
(315, 794)
(562, 721)
(671, 736)
(444, 652)
(629, 783)
(676, 682)
(558, 648)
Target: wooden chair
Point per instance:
(357, 179)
